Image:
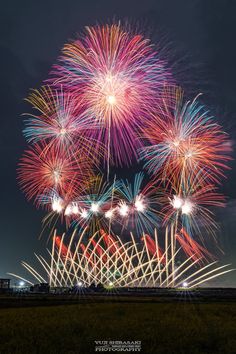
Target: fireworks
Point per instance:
(138, 208)
(119, 77)
(111, 100)
(60, 122)
(106, 260)
(44, 169)
(192, 203)
(120, 204)
(109, 94)
(95, 201)
(184, 139)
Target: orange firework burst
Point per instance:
(185, 139)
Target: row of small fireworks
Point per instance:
(142, 206)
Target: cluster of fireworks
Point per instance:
(105, 259)
(112, 101)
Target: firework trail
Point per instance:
(115, 264)
(138, 206)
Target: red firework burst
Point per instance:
(43, 169)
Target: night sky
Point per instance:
(198, 38)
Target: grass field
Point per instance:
(162, 327)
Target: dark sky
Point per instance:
(200, 39)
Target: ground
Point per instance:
(162, 326)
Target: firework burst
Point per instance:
(118, 75)
(43, 169)
(184, 139)
(60, 121)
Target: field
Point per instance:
(163, 327)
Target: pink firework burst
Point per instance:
(119, 76)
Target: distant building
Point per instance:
(4, 285)
(42, 288)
